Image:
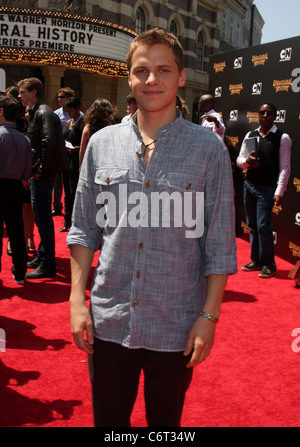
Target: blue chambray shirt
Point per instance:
(150, 281)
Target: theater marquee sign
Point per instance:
(54, 38)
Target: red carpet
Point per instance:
(251, 379)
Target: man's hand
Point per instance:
(211, 119)
(26, 184)
(81, 322)
(36, 176)
(277, 200)
(252, 160)
(200, 341)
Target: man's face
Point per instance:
(266, 116)
(61, 99)
(27, 98)
(131, 108)
(204, 106)
(154, 78)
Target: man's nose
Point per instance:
(152, 78)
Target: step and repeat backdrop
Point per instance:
(241, 82)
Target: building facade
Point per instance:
(83, 43)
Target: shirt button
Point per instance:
(135, 303)
(147, 184)
(138, 274)
(141, 244)
(107, 180)
(188, 186)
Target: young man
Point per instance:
(268, 172)
(15, 168)
(45, 134)
(158, 287)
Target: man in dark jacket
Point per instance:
(45, 134)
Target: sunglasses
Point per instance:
(60, 97)
(266, 112)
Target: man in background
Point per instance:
(268, 171)
(15, 168)
(131, 108)
(210, 118)
(45, 134)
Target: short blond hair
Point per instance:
(153, 37)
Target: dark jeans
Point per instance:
(70, 180)
(11, 206)
(57, 193)
(41, 197)
(115, 372)
(258, 202)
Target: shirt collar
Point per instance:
(171, 127)
(273, 129)
(8, 125)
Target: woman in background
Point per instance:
(101, 114)
(72, 135)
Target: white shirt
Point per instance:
(126, 118)
(284, 159)
(211, 125)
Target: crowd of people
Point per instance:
(58, 140)
(157, 289)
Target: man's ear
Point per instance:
(182, 78)
(129, 81)
(33, 93)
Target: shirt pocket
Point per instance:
(183, 202)
(112, 184)
(107, 177)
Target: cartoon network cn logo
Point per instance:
(234, 115)
(2, 340)
(257, 88)
(218, 92)
(281, 116)
(285, 55)
(238, 63)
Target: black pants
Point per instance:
(70, 180)
(11, 208)
(115, 372)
